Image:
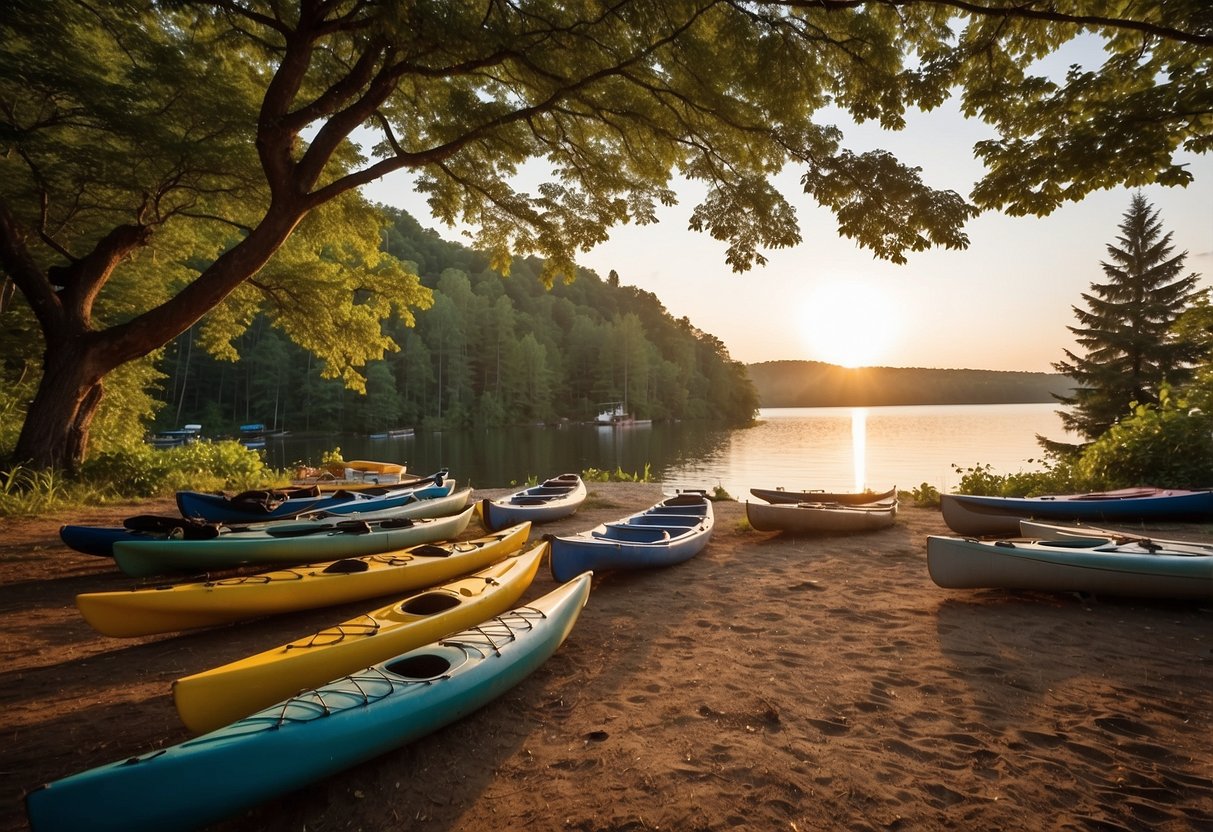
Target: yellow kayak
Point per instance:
(166, 609)
(353, 475)
(222, 695)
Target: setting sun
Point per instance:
(850, 323)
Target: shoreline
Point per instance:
(768, 683)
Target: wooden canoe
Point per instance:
(846, 498)
(820, 518)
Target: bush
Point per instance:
(143, 471)
(1164, 445)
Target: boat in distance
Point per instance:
(970, 514)
(1094, 565)
(670, 532)
(286, 545)
(172, 608)
(213, 698)
(779, 495)
(552, 499)
(315, 733)
(821, 518)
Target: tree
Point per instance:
(1130, 347)
(194, 157)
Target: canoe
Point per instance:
(353, 475)
(673, 531)
(976, 515)
(816, 518)
(285, 545)
(1036, 530)
(314, 734)
(552, 500)
(216, 697)
(1094, 565)
(166, 609)
(100, 540)
(846, 498)
(284, 504)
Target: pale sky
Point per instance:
(1002, 304)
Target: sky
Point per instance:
(1002, 304)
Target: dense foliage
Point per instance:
(490, 351)
(1127, 330)
(162, 163)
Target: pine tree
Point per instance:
(1126, 331)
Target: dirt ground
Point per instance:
(770, 683)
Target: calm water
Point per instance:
(831, 448)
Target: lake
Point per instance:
(829, 448)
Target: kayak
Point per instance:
(284, 545)
(166, 609)
(672, 531)
(354, 475)
(215, 697)
(100, 540)
(1094, 565)
(816, 518)
(1047, 531)
(315, 733)
(259, 505)
(551, 500)
(778, 495)
(970, 514)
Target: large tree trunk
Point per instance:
(55, 432)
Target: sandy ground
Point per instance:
(770, 684)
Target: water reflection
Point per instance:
(835, 449)
(859, 445)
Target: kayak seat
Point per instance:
(346, 566)
(429, 550)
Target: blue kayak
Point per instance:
(314, 734)
(286, 504)
(674, 530)
(430, 501)
(970, 514)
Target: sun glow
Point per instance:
(850, 323)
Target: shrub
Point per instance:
(1165, 445)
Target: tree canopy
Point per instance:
(168, 161)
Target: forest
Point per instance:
(814, 384)
(489, 351)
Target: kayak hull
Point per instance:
(277, 546)
(213, 698)
(171, 608)
(314, 734)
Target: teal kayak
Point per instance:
(284, 544)
(314, 734)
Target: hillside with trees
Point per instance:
(815, 384)
(488, 351)
(166, 163)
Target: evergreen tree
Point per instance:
(1126, 331)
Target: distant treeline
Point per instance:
(815, 384)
